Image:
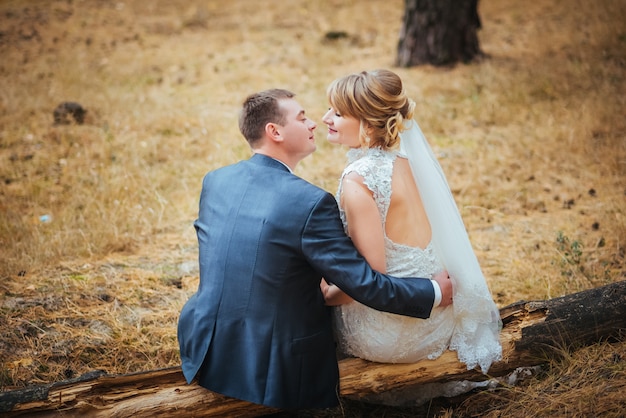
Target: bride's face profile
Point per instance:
(342, 130)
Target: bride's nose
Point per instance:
(326, 118)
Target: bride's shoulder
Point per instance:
(354, 186)
(354, 176)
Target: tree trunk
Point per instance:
(532, 331)
(438, 32)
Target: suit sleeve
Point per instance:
(331, 252)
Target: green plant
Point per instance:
(570, 254)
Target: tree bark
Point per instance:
(438, 32)
(532, 332)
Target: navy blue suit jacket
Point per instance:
(257, 329)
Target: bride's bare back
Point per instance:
(407, 222)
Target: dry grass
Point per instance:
(590, 382)
(533, 139)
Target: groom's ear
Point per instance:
(272, 131)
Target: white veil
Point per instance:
(476, 335)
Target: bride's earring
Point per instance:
(367, 138)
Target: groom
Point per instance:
(257, 329)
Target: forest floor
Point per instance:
(97, 248)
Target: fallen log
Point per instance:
(532, 332)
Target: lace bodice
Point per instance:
(376, 168)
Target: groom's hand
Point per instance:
(445, 284)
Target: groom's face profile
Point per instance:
(297, 131)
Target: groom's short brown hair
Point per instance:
(258, 110)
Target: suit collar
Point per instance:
(267, 161)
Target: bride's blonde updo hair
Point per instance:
(378, 100)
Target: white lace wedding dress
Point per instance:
(381, 336)
(385, 337)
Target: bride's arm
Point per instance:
(364, 223)
(364, 227)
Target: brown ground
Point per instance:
(533, 139)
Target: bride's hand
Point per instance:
(333, 296)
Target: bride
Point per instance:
(396, 206)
